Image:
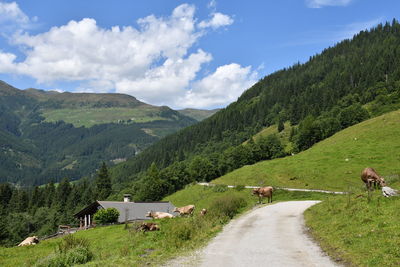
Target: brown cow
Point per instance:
(186, 210)
(148, 226)
(32, 240)
(159, 215)
(371, 178)
(264, 192)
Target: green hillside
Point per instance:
(87, 109)
(42, 138)
(335, 163)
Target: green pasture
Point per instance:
(358, 230)
(88, 117)
(336, 162)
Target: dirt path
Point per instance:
(272, 235)
(285, 188)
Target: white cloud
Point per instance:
(322, 3)
(152, 62)
(13, 18)
(223, 86)
(217, 20)
(163, 84)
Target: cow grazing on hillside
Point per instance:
(159, 215)
(371, 178)
(32, 240)
(186, 210)
(264, 192)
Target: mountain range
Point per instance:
(47, 135)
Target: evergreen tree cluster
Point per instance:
(40, 210)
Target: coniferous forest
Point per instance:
(343, 85)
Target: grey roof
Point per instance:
(137, 210)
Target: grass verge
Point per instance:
(357, 229)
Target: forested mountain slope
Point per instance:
(341, 86)
(46, 136)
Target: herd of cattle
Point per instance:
(369, 176)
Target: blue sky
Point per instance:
(199, 54)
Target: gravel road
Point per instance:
(272, 235)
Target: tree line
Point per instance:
(40, 210)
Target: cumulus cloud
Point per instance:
(217, 20)
(322, 3)
(12, 17)
(152, 62)
(223, 86)
(165, 83)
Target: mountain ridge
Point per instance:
(42, 138)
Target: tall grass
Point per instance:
(70, 251)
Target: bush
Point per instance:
(227, 206)
(70, 242)
(220, 188)
(70, 251)
(109, 215)
(78, 255)
(181, 232)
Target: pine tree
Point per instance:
(103, 182)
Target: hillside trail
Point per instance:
(273, 235)
(284, 188)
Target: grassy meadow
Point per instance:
(117, 246)
(283, 136)
(88, 117)
(336, 162)
(358, 230)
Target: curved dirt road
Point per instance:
(268, 236)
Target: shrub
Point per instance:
(69, 242)
(220, 188)
(70, 251)
(227, 206)
(77, 255)
(183, 231)
(109, 215)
